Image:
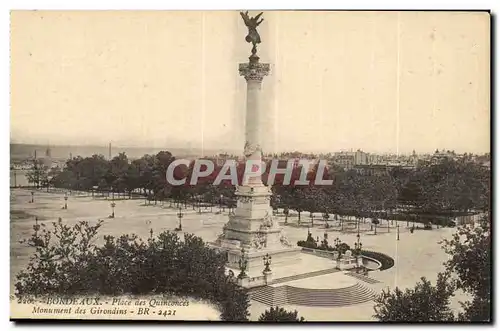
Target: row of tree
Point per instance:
(447, 188)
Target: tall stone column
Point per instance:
(254, 72)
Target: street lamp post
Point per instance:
(113, 205)
(180, 215)
(326, 216)
(311, 215)
(397, 227)
(267, 263)
(32, 196)
(243, 263)
(358, 246)
(337, 247)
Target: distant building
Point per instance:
(371, 169)
(47, 160)
(374, 159)
(348, 160)
(439, 157)
(380, 169)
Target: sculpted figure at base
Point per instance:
(259, 241)
(284, 240)
(251, 149)
(267, 222)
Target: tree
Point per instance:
(37, 175)
(424, 303)
(117, 171)
(161, 187)
(52, 175)
(470, 268)
(132, 177)
(67, 261)
(297, 194)
(280, 315)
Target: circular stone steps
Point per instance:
(289, 295)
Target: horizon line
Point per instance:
(228, 150)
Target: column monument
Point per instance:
(251, 226)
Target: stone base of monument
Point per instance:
(280, 256)
(251, 231)
(251, 282)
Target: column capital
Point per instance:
(254, 71)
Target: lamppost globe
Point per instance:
(336, 241)
(358, 246)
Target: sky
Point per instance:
(377, 81)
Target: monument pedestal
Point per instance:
(280, 257)
(251, 227)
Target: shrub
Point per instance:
(423, 303)
(67, 262)
(307, 244)
(280, 315)
(343, 247)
